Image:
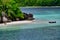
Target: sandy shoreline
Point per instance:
(11, 25)
(15, 22)
(21, 25)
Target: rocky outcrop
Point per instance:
(25, 16)
(5, 18)
(28, 16)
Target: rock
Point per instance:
(5, 19)
(30, 16)
(9, 21)
(25, 16)
(17, 19)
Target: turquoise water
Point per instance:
(39, 29)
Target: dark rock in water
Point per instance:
(25, 16)
(52, 22)
(5, 18)
(30, 16)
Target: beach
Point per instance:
(15, 22)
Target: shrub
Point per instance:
(11, 8)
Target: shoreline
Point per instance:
(12, 25)
(41, 7)
(17, 25)
(15, 22)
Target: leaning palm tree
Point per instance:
(2, 8)
(10, 7)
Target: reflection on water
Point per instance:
(39, 29)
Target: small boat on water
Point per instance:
(52, 21)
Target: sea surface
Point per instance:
(39, 29)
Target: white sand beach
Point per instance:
(15, 22)
(21, 25)
(9, 26)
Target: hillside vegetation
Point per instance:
(11, 8)
(38, 2)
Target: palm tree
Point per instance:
(10, 7)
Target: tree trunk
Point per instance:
(1, 19)
(2, 14)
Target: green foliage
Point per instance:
(38, 2)
(11, 8)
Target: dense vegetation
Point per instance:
(38, 2)
(11, 8)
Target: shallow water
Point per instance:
(39, 29)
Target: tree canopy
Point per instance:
(11, 8)
(38, 2)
